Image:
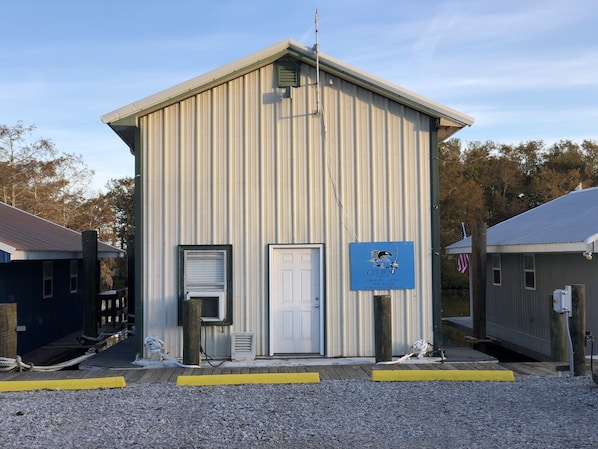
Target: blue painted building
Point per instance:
(42, 272)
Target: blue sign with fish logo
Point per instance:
(382, 266)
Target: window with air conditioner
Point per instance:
(212, 304)
(205, 273)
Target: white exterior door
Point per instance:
(296, 300)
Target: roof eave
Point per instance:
(7, 248)
(450, 119)
(61, 255)
(123, 119)
(536, 248)
(198, 84)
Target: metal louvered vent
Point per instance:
(242, 346)
(288, 74)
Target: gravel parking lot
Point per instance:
(533, 412)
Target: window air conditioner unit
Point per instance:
(212, 305)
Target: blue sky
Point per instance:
(525, 70)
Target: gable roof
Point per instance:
(24, 236)
(566, 224)
(123, 120)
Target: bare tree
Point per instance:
(37, 178)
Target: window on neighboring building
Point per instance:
(74, 277)
(205, 272)
(496, 278)
(48, 275)
(529, 271)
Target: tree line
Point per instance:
(484, 181)
(37, 178)
(491, 182)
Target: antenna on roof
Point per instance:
(317, 67)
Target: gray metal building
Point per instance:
(252, 181)
(531, 255)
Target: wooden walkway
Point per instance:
(327, 372)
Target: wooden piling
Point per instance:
(90, 279)
(8, 330)
(478, 279)
(577, 327)
(192, 331)
(382, 328)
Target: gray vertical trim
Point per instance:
(139, 319)
(435, 222)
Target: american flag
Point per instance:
(463, 259)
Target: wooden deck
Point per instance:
(327, 372)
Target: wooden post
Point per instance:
(90, 282)
(382, 328)
(559, 348)
(192, 331)
(577, 327)
(478, 279)
(8, 330)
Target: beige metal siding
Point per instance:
(240, 164)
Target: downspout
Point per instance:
(435, 225)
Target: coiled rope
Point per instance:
(158, 359)
(420, 347)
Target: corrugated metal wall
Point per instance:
(240, 164)
(46, 319)
(522, 316)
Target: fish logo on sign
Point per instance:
(383, 259)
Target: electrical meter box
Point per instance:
(561, 300)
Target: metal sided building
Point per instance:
(528, 257)
(42, 273)
(252, 182)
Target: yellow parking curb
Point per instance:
(431, 375)
(242, 379)
(63, 384)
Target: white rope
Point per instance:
(159, 359)
(8, 364)
(100, 337)
(420, 347)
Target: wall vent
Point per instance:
(242, 346)
(288, 74)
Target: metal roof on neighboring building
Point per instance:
(27, 237)
(566, 224)
(122, 119)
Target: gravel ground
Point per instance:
(533, 412)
